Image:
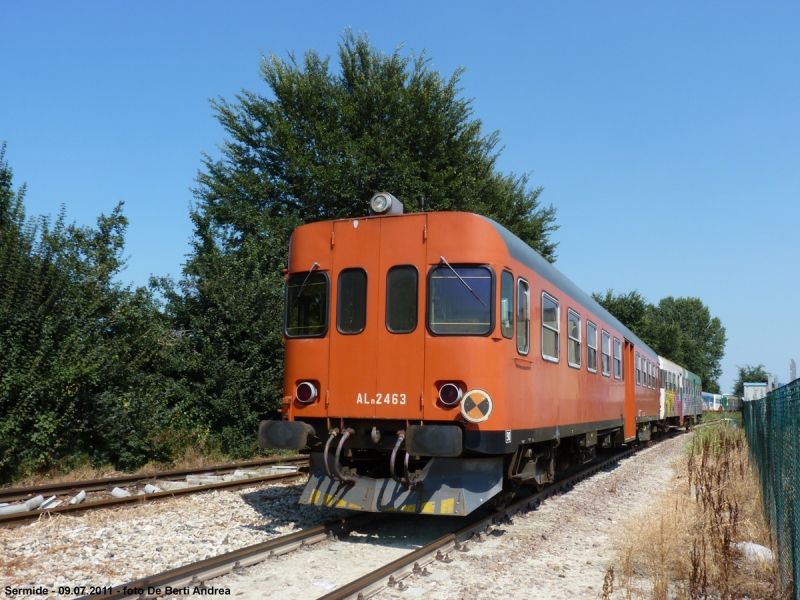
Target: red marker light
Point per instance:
(450, 394)
(306, 392)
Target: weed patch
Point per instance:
(685, 546)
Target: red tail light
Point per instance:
(450, 394)
(306, 391)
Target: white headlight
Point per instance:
(381, 203)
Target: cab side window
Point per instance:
(523, 317)
(507, 305)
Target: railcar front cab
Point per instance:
(383, 462)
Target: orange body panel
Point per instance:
(528, 391)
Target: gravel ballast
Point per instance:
(560, 550)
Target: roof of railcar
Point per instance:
(665, 362)
(520, 251)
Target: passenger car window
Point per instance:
(591, 347)
(550, 325)
(574, 334)
(638, 369)
(617, 359)
(351, 307)
(606, 350)
(454, 308)
(523, 317)
(401, 299)
(507, 304)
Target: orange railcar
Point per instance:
(434, 361)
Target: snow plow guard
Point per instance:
(446, 486)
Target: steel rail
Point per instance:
(35, 515)
(92, 485)
(196, 573)
(391, 575)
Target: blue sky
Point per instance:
(667, 134)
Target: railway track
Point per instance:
(390, 575)
(9, 495)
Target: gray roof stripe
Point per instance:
(530, 258)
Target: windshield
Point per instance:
(306, 312)
(453, 308)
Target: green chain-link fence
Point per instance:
(773, 434)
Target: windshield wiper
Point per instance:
(303, 287)
(444, 260)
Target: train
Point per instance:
(680, 394)
(434, 363)
(721, 402)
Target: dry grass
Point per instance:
(683, 547)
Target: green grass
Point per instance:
(716, 428)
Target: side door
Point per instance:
(401, 318)
(355, 284)
(630, 390)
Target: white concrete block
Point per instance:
(79, 498)
(34, 502)
(47, 503)
(203, 479)
(172, 485)
(13, 509)
(755, 552)
(120, 493)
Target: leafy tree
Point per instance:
(317, 147)
(629, 309)
(679, 329)
(325, 142)
(702, 338)
(79, 353)
(749, 374)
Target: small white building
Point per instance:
(756, 391)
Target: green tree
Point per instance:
(749, 374)
(629, 309)
(79, 352)
(317, 147)
(679, 329)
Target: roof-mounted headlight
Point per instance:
(383, 203)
